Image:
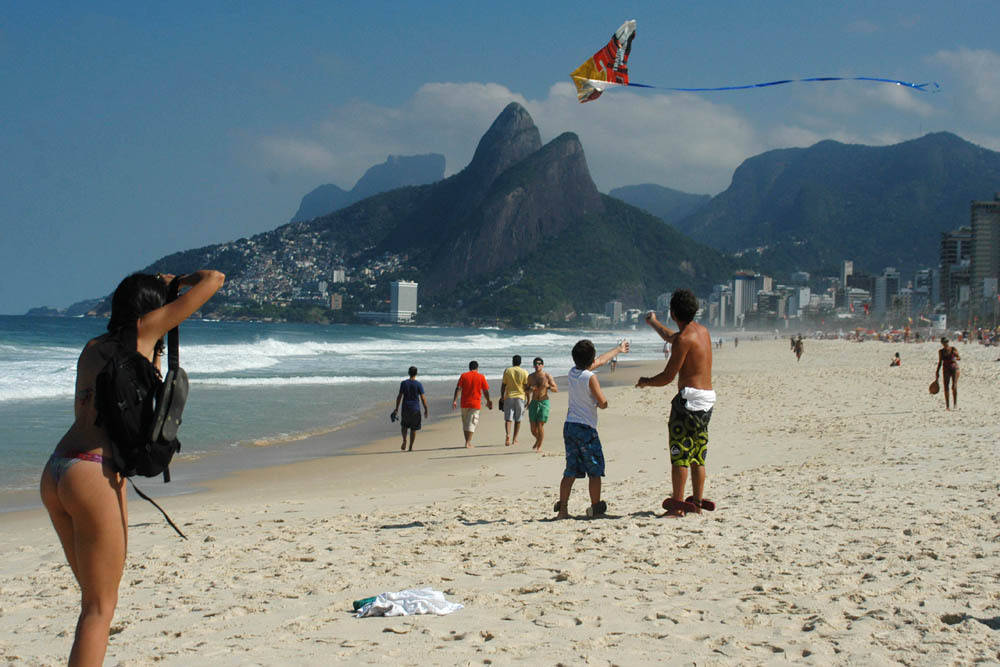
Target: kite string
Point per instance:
(930, 86)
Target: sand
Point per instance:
(857, 522)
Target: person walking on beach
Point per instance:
(513, 391)
(691, 409)
(948, 360)
(411, 394)
(539, 385)
(472, 383)
(799, 348)
(584, 454)
(81, 489)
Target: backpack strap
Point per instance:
(150, 500)
(173, 337)
(173, 358)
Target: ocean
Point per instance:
(261, 386)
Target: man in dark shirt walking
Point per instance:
(411, 394)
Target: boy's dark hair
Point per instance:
(516, 360)
(684, 305)
(412, 371)
(538, 360)
(584, 353)
(473, 365)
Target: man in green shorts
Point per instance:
(690, 411)
(540, 384)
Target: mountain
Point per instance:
(809, 208)
(520, 233)
(397, 171)
(671, 206)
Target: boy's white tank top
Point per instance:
(582, 406)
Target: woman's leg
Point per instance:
(954, 389)
(94, 498)
(61, 520)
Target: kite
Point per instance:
(609, 68)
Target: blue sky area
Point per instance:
(132, 130)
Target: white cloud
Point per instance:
(679, 140)
(977, 80)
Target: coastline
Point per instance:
(839, 537)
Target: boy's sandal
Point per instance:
(600, 509)
(705, 504)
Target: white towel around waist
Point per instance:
(698, 400)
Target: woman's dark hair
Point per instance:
(584, 353)
(135, 296)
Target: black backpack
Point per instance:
(140, 411)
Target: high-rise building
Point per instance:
(338, 275)
(403, 296)
(613, 309)
(744, 295)
(984, 254)
(846, 271)
(956, 252)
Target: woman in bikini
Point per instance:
(81, 490)
(948, 360)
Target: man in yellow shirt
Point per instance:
(513, 391)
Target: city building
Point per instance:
(984, 256)
(336, 301)
(338, 276)
(846, 271)
(613, 310)
(403, 301)
(744, 295)
(955, 259)
(800, 277)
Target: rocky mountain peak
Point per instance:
(512, 137)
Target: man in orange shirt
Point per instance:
(471, 384)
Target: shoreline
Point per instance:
(199, 474)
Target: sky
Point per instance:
(132, 130)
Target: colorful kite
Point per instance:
(609, 67)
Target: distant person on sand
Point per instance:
(799, 348)
(80, 486)
(691, 409)
(948, 360)
(539, 385)
(736, 341)
(411, 393)
(472, 383)
(896, 361)
(584, 454)
(513, 391)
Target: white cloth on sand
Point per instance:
(409, 602)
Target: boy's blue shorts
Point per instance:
(584, 455)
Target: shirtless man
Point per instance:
(539, 385)
(691, 409)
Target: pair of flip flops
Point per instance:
(688, 506)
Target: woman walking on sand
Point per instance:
(948, 360)
(82, 491)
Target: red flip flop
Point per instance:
(672, 505)
(706, 504)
